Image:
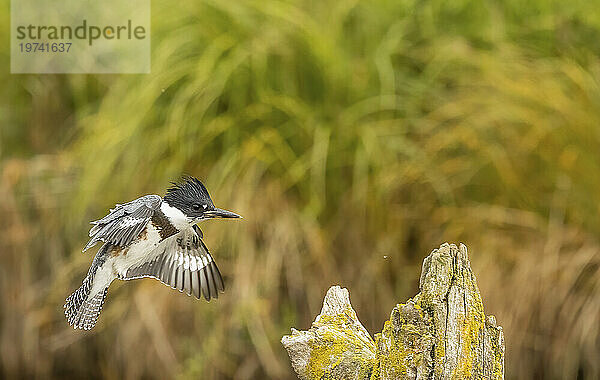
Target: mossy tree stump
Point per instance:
(441, 333)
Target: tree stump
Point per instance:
(441, 333)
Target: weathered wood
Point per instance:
(441, 333)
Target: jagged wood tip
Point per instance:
(441, 333)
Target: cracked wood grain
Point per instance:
(441, 333)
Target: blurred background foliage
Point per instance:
(354, 137)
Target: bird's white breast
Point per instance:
(140, 251)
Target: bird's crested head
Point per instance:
(191, 197)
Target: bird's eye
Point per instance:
(196, 206)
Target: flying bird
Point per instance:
(152, 237)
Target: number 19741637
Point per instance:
(45, 47)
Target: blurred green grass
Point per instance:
(344, 132)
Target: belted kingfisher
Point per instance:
(150, 237)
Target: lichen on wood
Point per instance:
(441, 333)
(337, 346)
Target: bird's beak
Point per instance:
(220, 213)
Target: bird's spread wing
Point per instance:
(183, 262)
(125, 222)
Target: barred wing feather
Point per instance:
(125, 222)
(183, 262)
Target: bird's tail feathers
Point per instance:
(81, 310)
